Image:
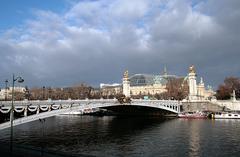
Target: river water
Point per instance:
(131, 136)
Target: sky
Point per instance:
(66, 42)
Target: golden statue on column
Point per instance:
(125, 75)
(192, 69)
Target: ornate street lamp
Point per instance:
(20, 80)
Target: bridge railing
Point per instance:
(48, 102)
(80, 100)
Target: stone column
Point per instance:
(234, 96)
(126, 84)
(192, 82)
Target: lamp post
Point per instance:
(6, 87)
(20, 80)
(43, 93)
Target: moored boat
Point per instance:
(226, 115)
(192, 115)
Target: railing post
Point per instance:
(25, 111)
(49, 107)
(38, 109)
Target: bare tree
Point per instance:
(176, 89)
(225, 90)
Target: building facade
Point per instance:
(6, 94)
(110, 89)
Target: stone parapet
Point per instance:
(231, 104)
(201, 106)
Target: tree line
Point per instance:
(80, 91)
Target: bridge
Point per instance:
(49, 108)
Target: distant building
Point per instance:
(148, 84)
(110, 89)
(7, 93)
(103, 85)
(144, 84)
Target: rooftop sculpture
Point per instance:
(125, 75)
(192, 69)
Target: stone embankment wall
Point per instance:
(232, 105)
(201, 106)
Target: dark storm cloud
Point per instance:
(97, 41)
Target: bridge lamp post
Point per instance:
(20, 80)
(43, 93)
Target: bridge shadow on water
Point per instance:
(130, 110)
(125, 126)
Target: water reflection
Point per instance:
(194, 137)
(227, 120)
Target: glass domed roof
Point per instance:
(141, 80)
(146, 79)
(163, 79)
(158, 79)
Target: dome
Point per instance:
(163, 79)
(141, 80)
(158, 79)
(146, 79)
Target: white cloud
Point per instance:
(129, 10)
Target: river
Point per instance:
(130, 136)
